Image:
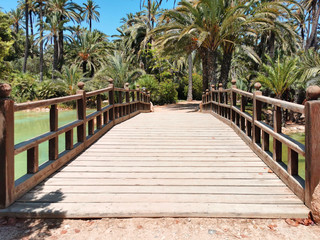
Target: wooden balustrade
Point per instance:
(223, 104)
(98, 123)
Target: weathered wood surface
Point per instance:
(174, 163)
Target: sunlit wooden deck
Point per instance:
(174, 162)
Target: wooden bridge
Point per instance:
(176, 162)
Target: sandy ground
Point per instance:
(157, 228)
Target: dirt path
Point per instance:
(159, 228)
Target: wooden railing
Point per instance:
(232, 106)
(122, 105)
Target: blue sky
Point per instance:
(111, 11)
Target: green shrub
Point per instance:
(149, 82)
(196, 86)
(167, 92)
(24, 87)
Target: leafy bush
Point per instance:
(49, 89)
(196, 86)
(167, 92)
(150, 83)
(24, 87)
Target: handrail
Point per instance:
(124, 103)
(222, 103)
(44, 103)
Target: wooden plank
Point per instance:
(159, 198)
(164, 164)
(278, 190)
(130, 175)
(164, 169)
(161, 182)
(100, 210)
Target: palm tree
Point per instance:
(119, 68)
(150, 4)
(90, 12)
(26, 51)
(40, 7)
(52, 28)
(278, 75)
(16, 16)
(313, 9)
(310, 67)
(65, 11)
(88, 51)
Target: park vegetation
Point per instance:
(45, 48)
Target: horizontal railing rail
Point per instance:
(123, 103)
(243, 111)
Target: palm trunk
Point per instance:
(204, 59)
(90, 24)
(31, 23)
(212, 67)
(189, 98)
(41, 41)
(84, 67)
(55, 56)
(271, 44)
(60, 53)
(26, 50)
(225, 68)
(312, 40)
(61, 48)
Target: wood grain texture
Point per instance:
(175, 163)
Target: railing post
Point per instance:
(138, 97)
(220, 98)
(207, 99)
(148, 100)
(233, 102)
(99, 107)
(54, 142)
(256, 114)
(212, 97)
(6, 146)
(81, 109)
(312, 116)
(277, 145)
(126, 87)
(111, 101)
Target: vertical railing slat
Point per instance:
(54, 142)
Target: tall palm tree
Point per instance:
(52, 28)
(313, 10)
(16, 16)
(149, 6)
(67, 11)
(26, 50)
(40, 6)
(90, 12)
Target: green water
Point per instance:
(32, 124)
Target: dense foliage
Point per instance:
(45, 50)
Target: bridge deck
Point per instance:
(175, 163)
